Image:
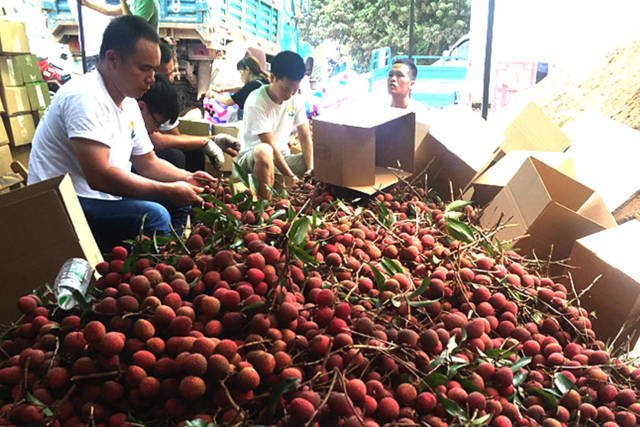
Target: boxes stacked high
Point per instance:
(22, 89)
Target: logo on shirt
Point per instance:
(290, 111)
(132, 130)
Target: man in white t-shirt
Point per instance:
(94, 130)
(400, 81)
(271, 113)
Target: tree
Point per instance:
(365, 25)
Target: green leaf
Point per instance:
(391, 266)
(128, 263)
(314, 219)
(452, 408)
(378, 276)
(255, 306)
(31, 398)
(548, 398)
(423, 303)
(563, 383)
(395, 302)
(298, 231)
(520, 364)
(242, 174)
(232, 187)
(255, 184)
(519, 378)
(437, 362)
(482, 420)
(278, 390)
(453, 370)
(468, 385)
(423, 287)
(280, 213)
(435, 379)
(453, 215)
(198, 422)
(194, 282)
(343, 207)
(459, 230)
(456, 205)
(303, 255)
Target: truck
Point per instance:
(440, 80)
(202, 29)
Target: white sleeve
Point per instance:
(301, 111)
(88, 118)
(167, 126)
(257, 120)
(141, 142)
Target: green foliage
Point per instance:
(366, 25)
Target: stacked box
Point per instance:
(22, 89)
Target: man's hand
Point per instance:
(184, 194)
(229, 144)
(214, 152)
(200, 178)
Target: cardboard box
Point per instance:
(549, 210)
(615, 297)
(29, 68)
(16, 100)
(46, 225)
(21, 129)
(605, 155)
(455, 146)
(530, 130)
(10, 74)
(4, 137)
(5, 160)
(202, 127)
(485, 187)
(38, 94)
(13, 37)
(363, 149)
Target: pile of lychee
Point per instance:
(394, 323)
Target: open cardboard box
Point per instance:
(362, 148)
(453, 147)
(202, 127)
(548, 209)
(485, 187)
(615, 296)
(605, 155)
(527, 129)
(46, 225)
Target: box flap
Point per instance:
(357, 114)
(605, 155)
(195, 127)
(532, 130)
(5, 159)
(595, 209)
(503, 209)
(562, 188)
(395, 141)
(501, 172)
(384, 177)
(529, 191)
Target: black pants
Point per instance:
(192, 160)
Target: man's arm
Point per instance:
(306, 144)
(104, 8)
(278, 158)
(162, 141)
(93, 158)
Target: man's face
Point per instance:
(135, 73)
(152, 121)
(399, 81)
(168, 70)
(284, 88)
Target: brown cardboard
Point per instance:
(29, 68)
(4, 137)
(45, 224)
(202, 127)
(615, 297)
(455, 146)
(21, 129)
(10, 74)
(13, 37)
(530, 130)
(491, 181)
(38, 94)
(548, 210)
(15, 100)
(5, 160)
(605, 155)
(363, 151)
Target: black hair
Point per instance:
(162, 98)
(251, 63)
(122, 34)
(413, 70)
(288, 64)
(166, 54)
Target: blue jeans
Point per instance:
(112, 221)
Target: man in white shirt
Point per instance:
(271, 113)
(94, 130)
(401, 79)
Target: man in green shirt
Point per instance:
(146, 9)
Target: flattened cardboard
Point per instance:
(548, 210)
(38, 94)
(605, 155)
(615, 297)
(46, 226)
(455, 146)
(21, 129)
(15, 100)
(13, 37)
(10, 74)
(29, 68)
(5, 160)
(491, 181)
(352, 148)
